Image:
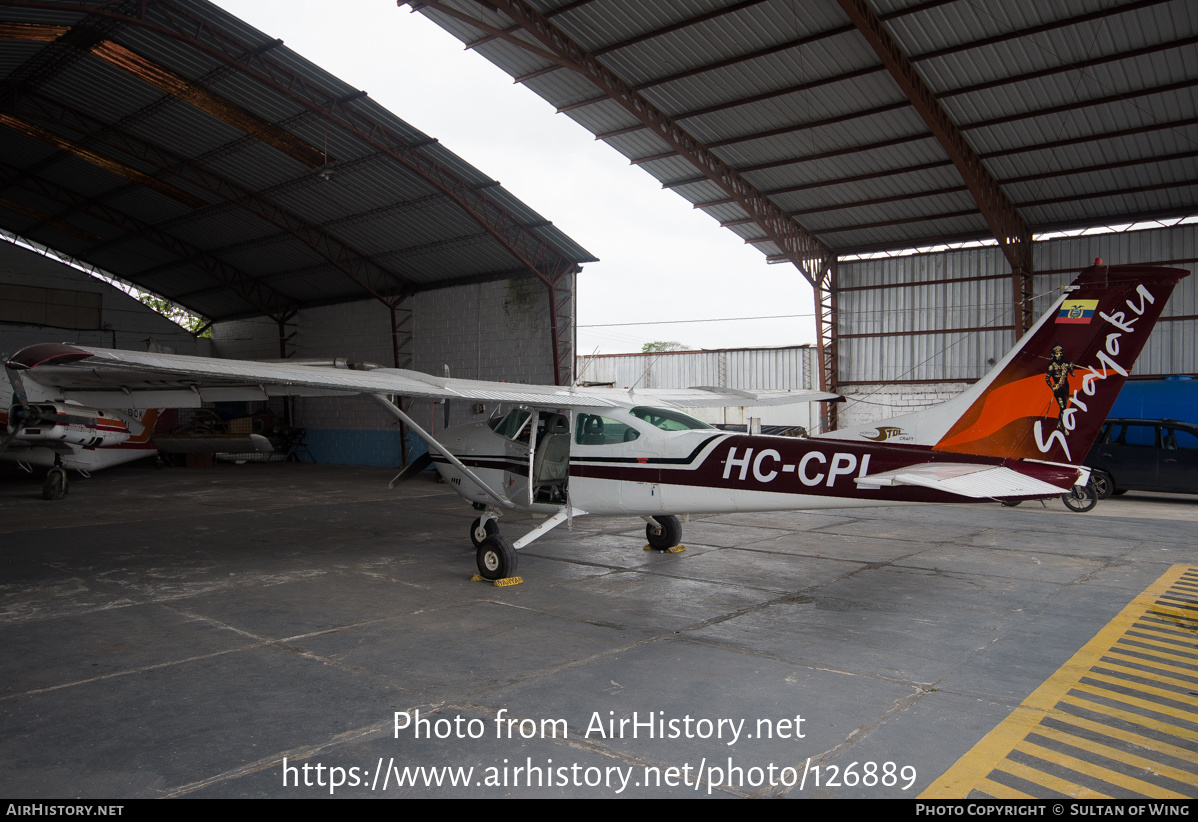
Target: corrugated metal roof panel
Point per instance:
(239, 160)
(979, 48)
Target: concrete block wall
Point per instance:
(878, 403)
(490, 331)
(125, 322)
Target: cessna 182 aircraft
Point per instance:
(1019, 433)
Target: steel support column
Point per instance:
(827, 346)
(401, 353)
(562, 329)
(286, 321)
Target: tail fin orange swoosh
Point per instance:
(1049, 399)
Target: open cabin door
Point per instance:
(551, 459)
(536, 455)
(516, 429)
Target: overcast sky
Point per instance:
(659, 258)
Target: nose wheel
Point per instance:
(55, 486)
(480, 529)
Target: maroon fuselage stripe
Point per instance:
(789, 466)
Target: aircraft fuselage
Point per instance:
(701, 471)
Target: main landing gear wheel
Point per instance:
(667, 534)
(479, 532)
(496, 557)
(1102, 484)
(56, 485)
(1081, 498)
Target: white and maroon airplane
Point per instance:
(1019, 433)
(58, 436)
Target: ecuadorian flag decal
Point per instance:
(1078, 312)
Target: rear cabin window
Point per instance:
(592, 429)
(667, 420)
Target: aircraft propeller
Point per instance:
(18, 414)
(21, 414)
(413, 468)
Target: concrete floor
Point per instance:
(180, 632)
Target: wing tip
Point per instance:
(32, 356)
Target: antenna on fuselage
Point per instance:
(585, 366)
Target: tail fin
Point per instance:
(1047, 399)
(148, 420)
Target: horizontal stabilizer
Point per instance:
(974, 481)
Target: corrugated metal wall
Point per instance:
(742, 368)
(920, 306)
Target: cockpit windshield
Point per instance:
(667, 420)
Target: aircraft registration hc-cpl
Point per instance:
(1019, 433)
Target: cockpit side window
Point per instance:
(667, 420)
(514, 425)
(592, 429)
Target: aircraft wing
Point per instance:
(974, 481)
(107, 378)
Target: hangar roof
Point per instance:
(170, 143)
(872, 124)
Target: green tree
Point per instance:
(175, 314)
(662, 345)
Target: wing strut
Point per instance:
(443, 451)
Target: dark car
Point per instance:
(1144, 455)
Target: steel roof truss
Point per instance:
(801, 247)
(857, 73)
(375, 279)
(1005, 222)
(254, 293)
(177, 21)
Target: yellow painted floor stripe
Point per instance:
(1154, 676)
(1135, 702)
(1144, 764)
(1131, 738)
(1190, 713)
(1156, 646)
(1117, 779)
(1177, 635)
(1153, 654)
(1171, 647)
(1164, 638)
(1172, 667)
(1046, 780)
(1129, 716)
(1001, 791)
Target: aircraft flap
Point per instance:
(974, 481)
